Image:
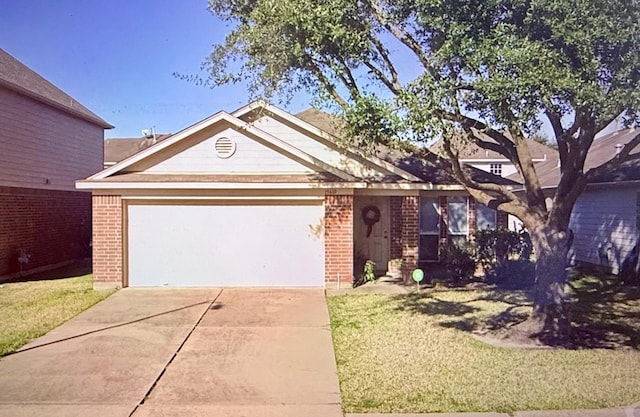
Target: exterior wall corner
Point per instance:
(338, 238)
(107, 241)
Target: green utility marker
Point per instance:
(417, 275)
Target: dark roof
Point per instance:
(118, 149)
(472, 151)
(20, 78)
(601, 151)
(324, 121)
(427, 165)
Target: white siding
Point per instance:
(507, 167)
(39, 143)
(249, 157)
(314, 148)
(604, 226)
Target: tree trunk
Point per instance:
(549, 321)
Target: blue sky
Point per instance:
(117, 58)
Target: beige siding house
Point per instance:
(47, 141)
(261, 197)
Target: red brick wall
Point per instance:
(444, 218)
(396, 227)
(50, 226)
(409, 209)
(473, 222)
(502, 220)
(107, 241)
(338, 238)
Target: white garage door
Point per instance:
(226, 245)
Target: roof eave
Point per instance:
(21, 90)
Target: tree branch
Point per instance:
(328, 85)
(403, 36)
(384, 54)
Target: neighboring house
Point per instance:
(260, 197)
(492, 161)
(495, 163)
(117, 149)
(605, 219)
(47, 141)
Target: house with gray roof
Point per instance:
(48, 140)
(262, 197)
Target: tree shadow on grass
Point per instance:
(462, 315)
(604, 312)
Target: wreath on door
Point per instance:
(370, 216)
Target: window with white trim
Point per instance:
(495, 169)
(429, 222)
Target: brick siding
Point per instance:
(107, 241)
(502, 220)
(396, 227)
(409, 210)
(338, 238)
(472, 219)
(49, 226)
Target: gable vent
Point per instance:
(225, 147)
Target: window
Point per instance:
(429, 229)
(457, 216)
(495, 169)
(485, 217)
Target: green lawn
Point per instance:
(31, 309)
(416, 353)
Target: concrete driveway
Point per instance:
(167, 352)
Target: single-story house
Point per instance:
(606, 217)
(260, 197)
(48, 140)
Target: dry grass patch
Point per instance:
(31, 309)
(415, 353)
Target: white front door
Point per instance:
(372, 242)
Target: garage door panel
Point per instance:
(215, 245)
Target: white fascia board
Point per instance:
(234, 121)
(385, 166)
(495, 160)
(105, 185)
(159, 146)
(227, 197)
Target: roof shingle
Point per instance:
(20, 78)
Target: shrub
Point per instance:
(495, 247)
(505, 257)
(458, 257)
(363, 270)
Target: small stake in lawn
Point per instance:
(417, 276)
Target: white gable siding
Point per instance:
(507, 167)
(604, 226)
(314, 148)
(249, 157)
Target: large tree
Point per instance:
(414, 70)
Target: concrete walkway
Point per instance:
(205, 352)
(249, 353)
